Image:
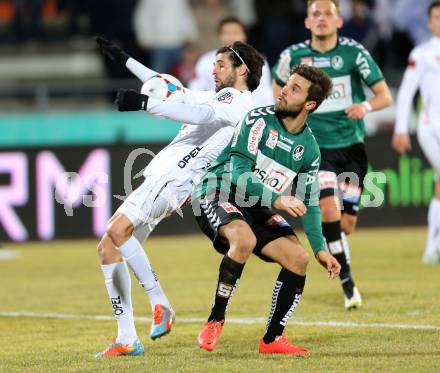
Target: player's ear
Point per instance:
(242, 70)
(307, 23)
(310, 105)
(340, 22)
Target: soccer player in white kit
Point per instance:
(209, 119)
(423, 72)
(229, 30)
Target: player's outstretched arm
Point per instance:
(117, 55)
(131, 100)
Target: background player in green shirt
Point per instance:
(338, 124)
(271, 150)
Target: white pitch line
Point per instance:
(240, 321)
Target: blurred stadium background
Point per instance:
(56, 93)
(56, 115)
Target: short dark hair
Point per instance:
(226, 20)
(433, 5)
(321, 84)
(240, 52)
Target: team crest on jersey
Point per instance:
(337, 62)
(272, 140)
(225, 97)
(298, 152)
(307, 61)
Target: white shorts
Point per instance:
(429, 140)
(155, 199)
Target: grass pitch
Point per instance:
(397, 330)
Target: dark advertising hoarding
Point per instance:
(70, 192)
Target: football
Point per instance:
(164, 87)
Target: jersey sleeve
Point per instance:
(367, 68)
(225, 108)
(407, 89)
(181, 112)
(308, 191)
(194, 97)
(143, 73)
(243, 155)
(229, 106)
(281, 70)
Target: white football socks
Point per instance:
(118, 284)
(345, 246)
(433, 229)
(133, 252)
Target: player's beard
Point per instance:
(229, 81)
(282, 111)
(286, 113)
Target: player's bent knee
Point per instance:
(296, 262)
(242, 248)
(242, 240)
(329, 209)
(107, 252)
(246, 244)
(101, 249)
(348, 223)
(117, 234)
(303, 258)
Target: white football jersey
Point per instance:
(199, 143)
(204, 80)
(423, 72)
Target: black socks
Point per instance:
(229, 275)
(285, 297)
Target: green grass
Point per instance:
(64, 277)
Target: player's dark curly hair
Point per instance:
(240, 53)
(321, 86)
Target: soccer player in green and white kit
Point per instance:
(338, 124)
(271, 149)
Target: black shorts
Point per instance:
(342, 172)
(264, 222)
